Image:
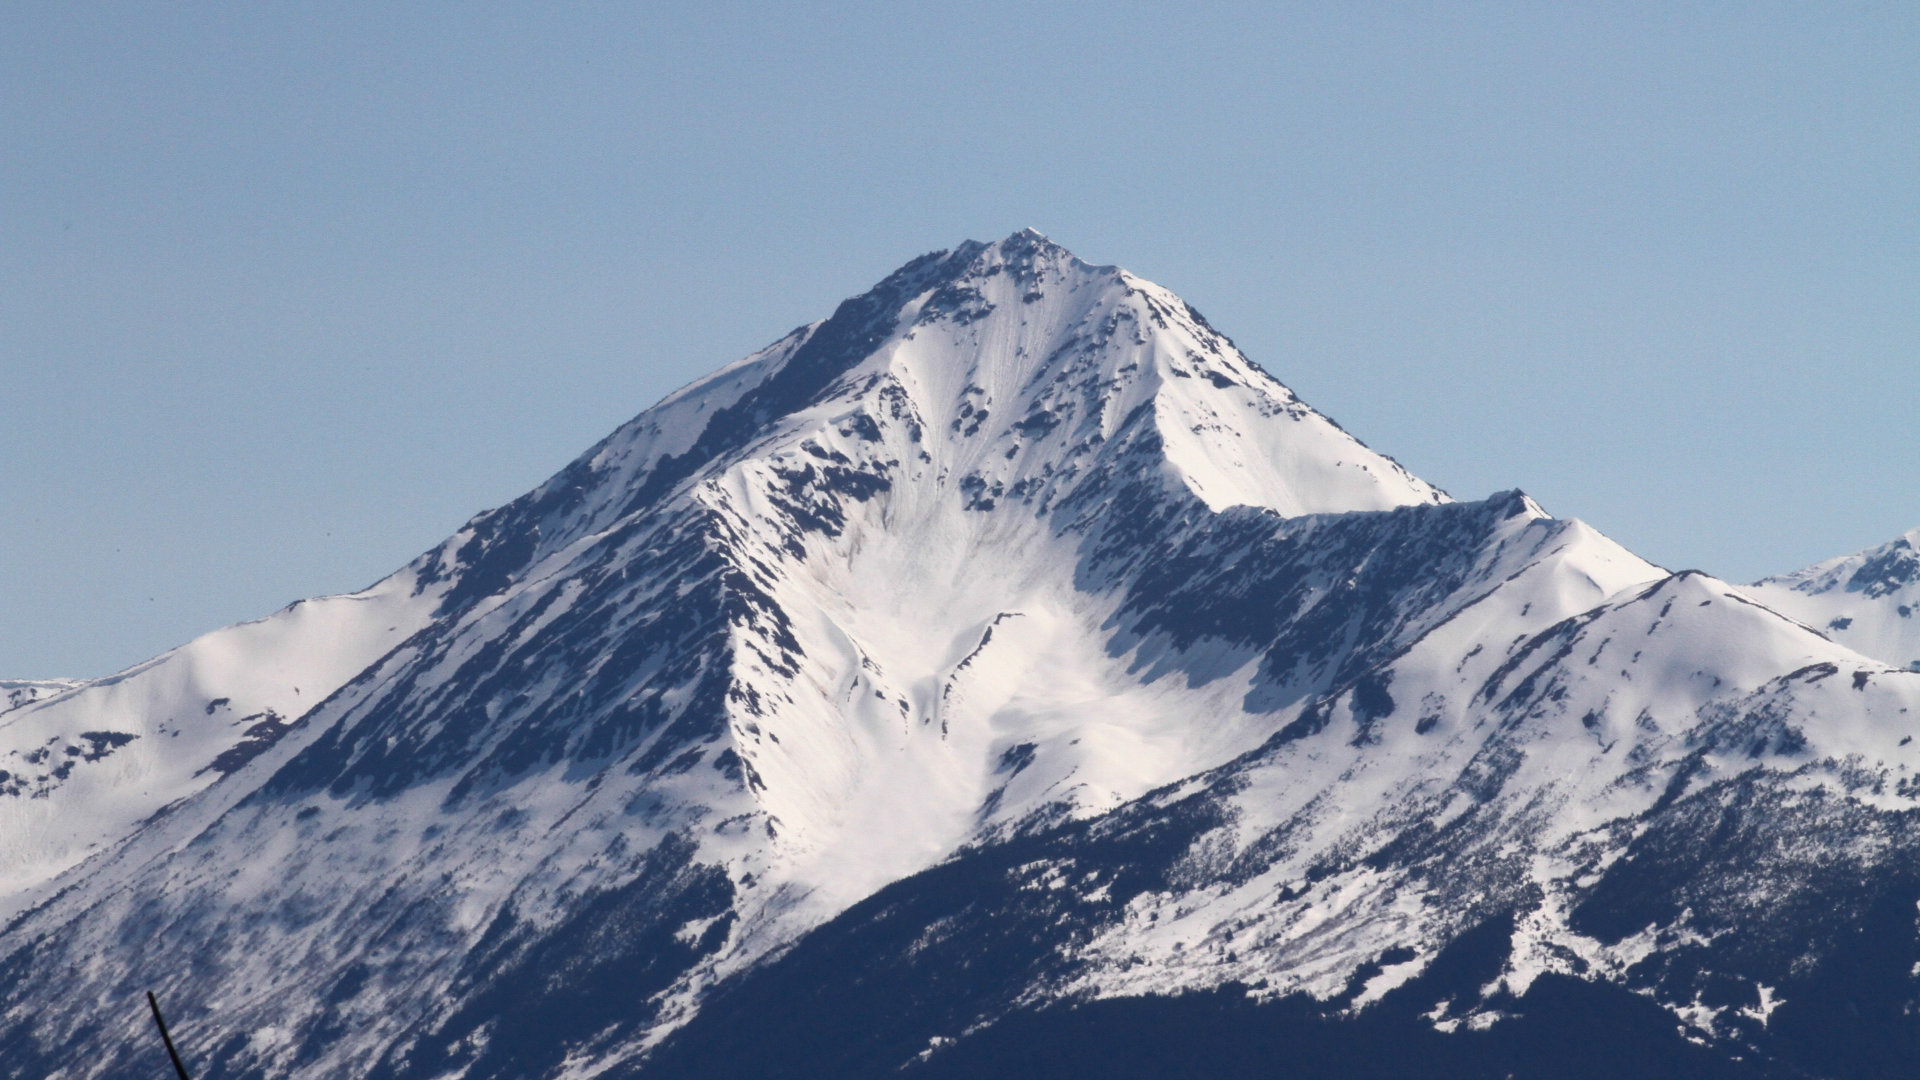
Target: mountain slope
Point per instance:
(1010, 631)
(1434, 853)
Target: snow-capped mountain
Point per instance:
(1004, 648)
(1868, 601)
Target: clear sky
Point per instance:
(289, 291)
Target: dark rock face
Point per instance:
(1324, 599)
(1896, 566)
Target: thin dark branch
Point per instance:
(166, 1038)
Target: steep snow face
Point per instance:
(935, 691)
(82, 764)
(1022, 370)
(943, 532)
(1868, 601)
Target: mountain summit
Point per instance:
(1868, 601)
(1004, 644)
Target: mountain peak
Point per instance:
(1030, 248)
(994, 372)
(1027, 335)
(1868, 601)
(1008, 548)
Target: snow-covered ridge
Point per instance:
(19, 693)
(83, 763)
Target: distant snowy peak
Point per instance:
(926, 497)
(1874, 573)
(1868, 601)
(18, 693)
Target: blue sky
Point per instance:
(288, 291)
